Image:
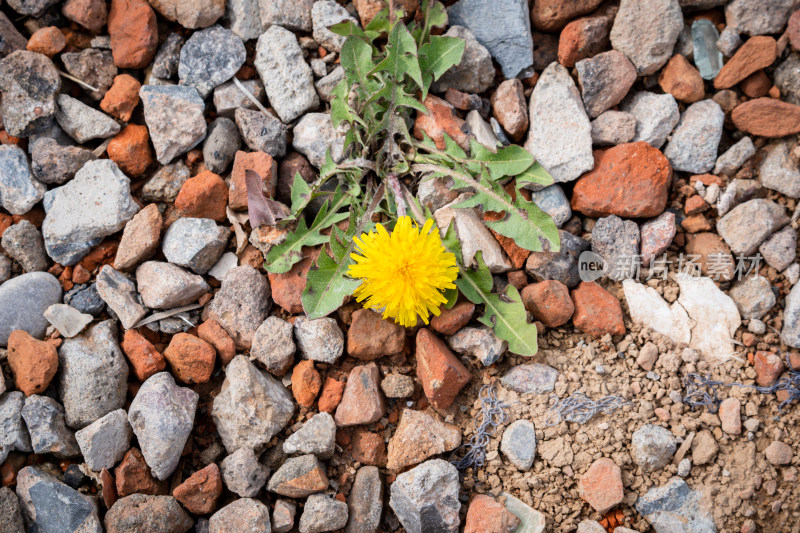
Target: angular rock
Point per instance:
(680, 79)
(676, 505)
(290, 14)
(69, 229)
(93, 66)
(84, 123)
(140, 512)
(426, 498)
(365, 501)
(299, 477)
(251, 408)
(480, 343)
(562, 265)
(362, 402)
(371, 337)
(194, 243)
(656, 116)
(714, 313)
(753, 296)
(475, 72)
(441, 373)
(755, 54)
(242, 473)
(10, 515)
(14, 435)
(597, 312)
(53, 163)
(778, 170)
(532, 378)
(133, 33)
(320, 339)
(23, 300)
(560, 136)
(553, 201)
(23, 242)
(221, 145)
(604, 81)
(190, 358)
(790, 334)
(323, 513)
(474, 237)
(44, 418)
(419, 436)
(164, 286)
(244, 515)
(747, 225)
(140, 238)
(47, 504)
(29, 83)
(652, 447)
(174, 118)
(12, 39)
(104, 442)
(754, 17)
(200, 492)
(166, 183)
(194, 14)
(767, 117)
(646, 32)
(519, 444)
(19, 190)
(613, 127)
(242, 304)
(324, 14)
(273, 345)
(733, 159)
(647, 307)
(33, 362)
(779, 250)
(617, 242)
(317, 437)
(209, 58)
(245, 19)
(601, 485)
(693, 147)
(120, 294)
(314, 135)
(162, 416)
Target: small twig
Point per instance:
(78, 81)
(250, 96)
(97, 152)
(394, 185)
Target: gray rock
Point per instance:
(5, 268)
(561, 265)
(317, 437)
(10, 514)
(221, 144)
(591, 526)
(84, 123)
(242, 304)
(481, 130)
(30, 7)
(326, 84)
(365, 501)
(228, 97)
(19, 190)
(174, 118)
(209, 58)
(480, 343)
(617, 242)
(657, 234)
(397, 386)
(652, 447)
(86, 299)
(790, 334)
(273, 345)
(195, 243)
(675, 508)
(242, 473)
(166, 183)
(29, 83)
(534, 378)
(323, 513)
(519, 444)
(729, 41)
(104, 442)
(262, 131)
(44, 418)
(192, 15)
(3, 387)
(11, 40)
(283, 516)
(244, 515)
(554, 202)
(604, 81)
(314, 135)
(747, 225)
(287, 479)
(67, 320)
(779, 250)
(245, 19)
(53, 163)
(502, 26)
(285, 73)
(733, 159)
(436, 193)
(164, 285)
(778, 170)
(70, 230)
(320, 340)
(787, 79)
(251, 408)
(426, 497)
(646, 31)
(23, 300)
(168, 57)
(14, 435)
(753, 296)
(612, 128)
(291, 14)
(694, 143)
(24, 243)
(759, 17)
(326, 13)
(93, 66)
(560, 135)
(119, 292)
(656, 116)
(93, 375)
(475, 73)
(162, 416)
(48, 505)
(474, 237)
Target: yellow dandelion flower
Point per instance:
(404, 273)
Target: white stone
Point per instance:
(714, 313)
(647, 307)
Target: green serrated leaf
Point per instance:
(300, 194)
(401, 56)
(347, 28)
(435, 16)
(507, 161)
(437, 57)
(356, 59)
(282, 257)
(536, 174)
(504, 313)
(380, 23)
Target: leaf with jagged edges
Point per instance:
(506, 161)
(327, 284)
(437, 57)
(401, 56)
(282, 257)
(356, 59)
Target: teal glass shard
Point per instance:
(707, 56)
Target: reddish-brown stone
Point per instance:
(757, 53)
(597, 311)
(441, 119)
(306, 383)
(211, 332)
(628, 180)
(368, 448)
(190, 358)
(486, 515)
(48, 41)
(441, 373)
(453, 319)
(144, 357)
(362, 401)
(203, 196)
(261, 163)
(549, 302)
(768, 367)
(371, 337)
(552, 15)
(694, 205)
(109, 491)
(793, 30)
(510, 109)
(287, 288)
(756, 84)
(123, 96)
(33, 362)
(331, 395)
(91, 14)
(130, 150)
(680, 79)
(134, 33)
(601, 485)
(200, 492)
(133, 475)
(294, 163)
(767, 117)
(583, 38)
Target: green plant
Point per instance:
(389, 67)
